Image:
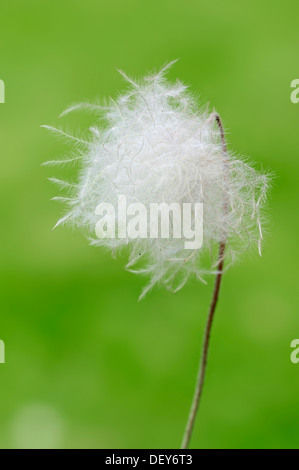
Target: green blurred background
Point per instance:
(87, 366)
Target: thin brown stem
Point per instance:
(206, 340)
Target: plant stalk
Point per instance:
(206, 339)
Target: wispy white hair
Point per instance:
(153, 144)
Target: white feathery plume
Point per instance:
(153, 144)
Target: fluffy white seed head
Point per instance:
(153, 144)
